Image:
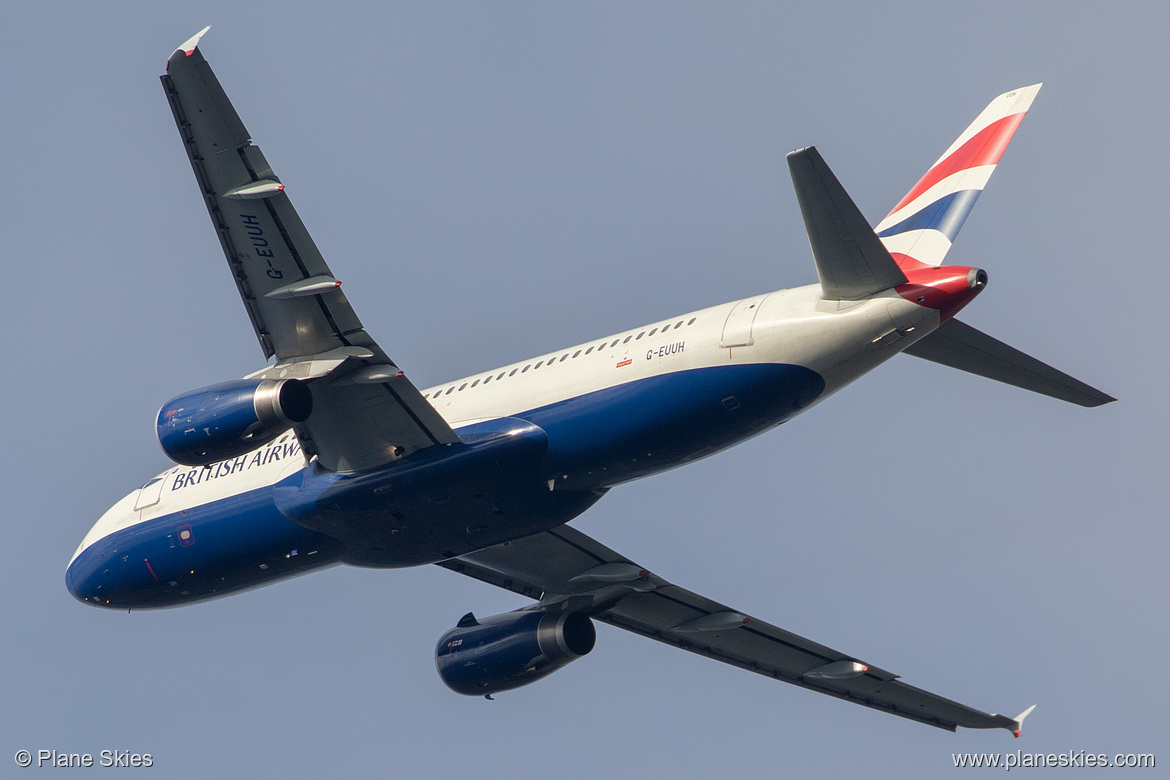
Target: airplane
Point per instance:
(329, 454)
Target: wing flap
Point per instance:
(555, 567)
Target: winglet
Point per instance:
(188, 46)
(1019, 721)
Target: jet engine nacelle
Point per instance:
(500, 653)
(229, 419)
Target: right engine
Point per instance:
(229, 419)
(479, 658)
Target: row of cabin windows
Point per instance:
(564, 357)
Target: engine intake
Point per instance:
(477, 658)
(229, 419)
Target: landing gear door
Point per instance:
(737, 330)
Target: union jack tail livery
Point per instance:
(921, 228)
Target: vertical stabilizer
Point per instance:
(921, 228)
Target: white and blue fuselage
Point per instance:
(541, 441)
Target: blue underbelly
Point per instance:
(213, 550)
(621, 433)
(414, 511)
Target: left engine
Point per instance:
(229, 419)
(478, 658)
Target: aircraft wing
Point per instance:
(365, 410)
(568, 571)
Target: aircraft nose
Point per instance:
(85, 579)
(76, 580)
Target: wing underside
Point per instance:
(565, 570)
(366, 412)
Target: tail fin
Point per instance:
(921, 228)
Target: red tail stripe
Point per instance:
(983, 148)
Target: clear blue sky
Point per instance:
(493, 181)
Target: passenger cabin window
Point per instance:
(626, 340)
(578, 352)
(679, 324)
(651, 333)
(588, 350)
(476, 382)
(462, 386)
(640, 335)
(563, 357)
(513, 371)
(692, 322)
(449, 390)
(501, 376)
(538, 365)
(526, 368)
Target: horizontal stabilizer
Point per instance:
(960, 346)
(852, 262)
